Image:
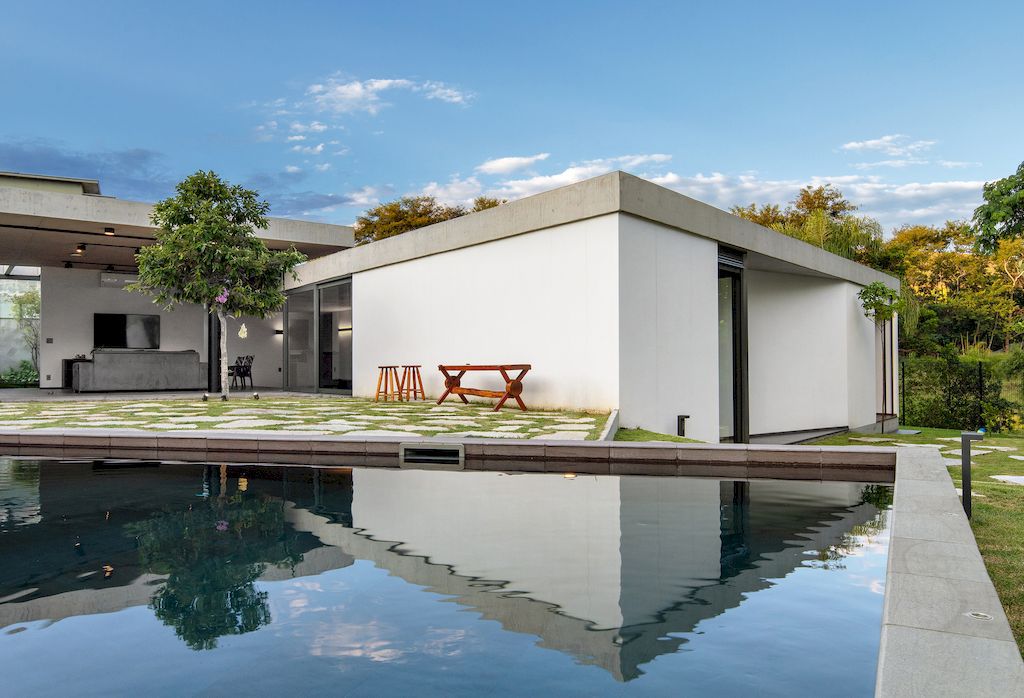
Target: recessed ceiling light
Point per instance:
(108, 231)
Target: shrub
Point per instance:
(943, 392)
(24, 374)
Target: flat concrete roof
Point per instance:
(616, 192)
(42, 228)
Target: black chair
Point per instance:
(240, 371)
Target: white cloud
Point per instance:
(322, 167)
(309, 149)
(296, 138)
(265, 131)
(510, 164)
(292, 169)
(891, 203)
(443, 92)
(954, 164)
(906, 162)
(518, 188)
(896, 144)
(456, 191)
(341, 96)
(311, 127)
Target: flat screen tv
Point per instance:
(120, 331)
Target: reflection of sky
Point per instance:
(358, 630)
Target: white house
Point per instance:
(620, 293)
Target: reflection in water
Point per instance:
(212, 553)
(614, 572)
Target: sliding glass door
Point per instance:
(732, 355)
(335, 336)
(299, 341)
(318, 338)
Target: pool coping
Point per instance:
(728, 461)
(934, 579)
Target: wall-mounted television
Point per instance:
(121, 331)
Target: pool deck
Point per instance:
(936, 579)
(729, 461)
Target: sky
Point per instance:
(329, 108)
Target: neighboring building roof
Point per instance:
(50, 183)
(616, 192)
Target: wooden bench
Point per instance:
(513, 386)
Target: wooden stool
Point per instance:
(412, 383)
(389, 386)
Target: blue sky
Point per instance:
(328, 108)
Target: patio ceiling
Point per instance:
(43, 229)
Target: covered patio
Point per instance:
(81, 246)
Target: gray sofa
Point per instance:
(139, 369)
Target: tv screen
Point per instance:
(118, 331)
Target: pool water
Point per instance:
(171, 579)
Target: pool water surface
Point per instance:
(171, 579)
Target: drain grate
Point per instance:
(431, 456)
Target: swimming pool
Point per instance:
(181, 578)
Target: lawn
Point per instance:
(998, 507)
(644, 435)
(305, 415)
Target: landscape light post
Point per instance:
(966, 437)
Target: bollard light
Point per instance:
(966, 437)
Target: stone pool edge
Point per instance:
(728, 461)
(936, 578)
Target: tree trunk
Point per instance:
(222, 320)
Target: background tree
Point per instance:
(26, 313)
(409, 213)
(207, 253)
(1001, 217)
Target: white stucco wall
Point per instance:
(547, 298)
(69, 297)
(863, 370)
(466, 520)
(668, 336)
(810, 354)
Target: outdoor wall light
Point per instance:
(110, 268)
(108, 231)
(344, 329)
(79, 251)
(278, 331)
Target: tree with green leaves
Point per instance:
(1001, 217)
(26, 313)
(411, 212)
(207, 253)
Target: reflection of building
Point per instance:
(612, 571)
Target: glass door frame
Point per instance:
(315, 288)
(731, 266)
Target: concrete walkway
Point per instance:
(944, 632)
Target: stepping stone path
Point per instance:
(1011, 479)
(354, 416)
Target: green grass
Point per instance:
(644, 435)
(998, 509)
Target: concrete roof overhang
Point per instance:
(616, 192)
(42, 228)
